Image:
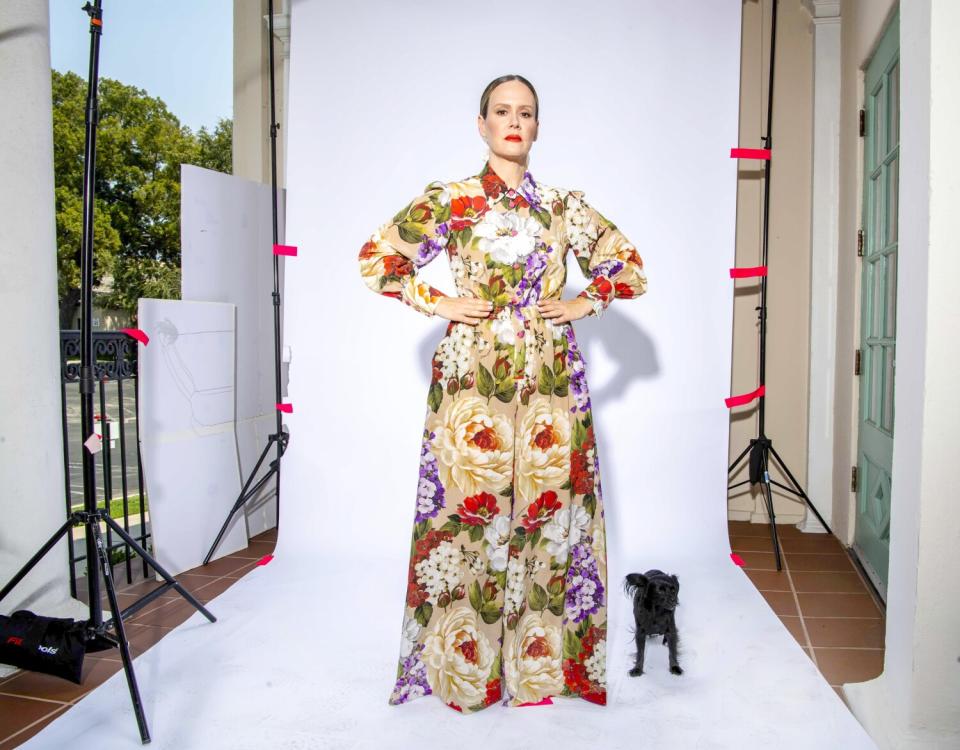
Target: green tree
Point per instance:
(140, 147)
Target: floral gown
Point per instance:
(507, 591)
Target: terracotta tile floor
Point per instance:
(29, 701)
(819, 596)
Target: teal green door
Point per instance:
(878, 305)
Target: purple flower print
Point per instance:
(578, 376)
(585, 594)
(429, 489)
(412, 682)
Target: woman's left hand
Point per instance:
(564, 310)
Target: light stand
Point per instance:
(97, 636)
(761, 447)
(280, 437)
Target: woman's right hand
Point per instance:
(470, 310)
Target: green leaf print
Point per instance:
(546, 381)
(512, 274)
(441, 213)
(485, 384)
(476, 533)
(556, 605)
(476, 599)
(519, 538)
(435, 396)
(402, 213)
(535, 537)
(571, 645)
(579, 434)
(543, 216)
(495, 669)
(420, 529)
(465, 237)
(537, 598)
(590, 504)
(583, 627)
(506, 391)
(423, 613)
(411, 231)
(490, 613)
(453, 526)
(560, 385)
(507, 491)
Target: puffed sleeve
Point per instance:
(390, 258)
(605, 256)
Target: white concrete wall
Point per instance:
(32, 503)
(915, 703)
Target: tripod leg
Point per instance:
(104, 560)
(768, 496)
(36, 558)
(242, 499)
(800, 491)
(152, 562)
(740, 458)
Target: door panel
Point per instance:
(878, 305)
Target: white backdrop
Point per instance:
(639, 110)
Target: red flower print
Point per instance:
(540, 510)
(493, 186)
(493, 692)
(466, 211)
(519, 200)
(397, 265)
(421, 212)
(580, 475)
(478, 509)
(634, 257)
(623, 290)
(455, 707)
(603, 286)
(367, 250)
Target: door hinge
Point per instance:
(856, 362)
(863, 122)
(859, 243)
(853, 479)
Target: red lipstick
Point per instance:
(513, 138)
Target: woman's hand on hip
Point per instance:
(470, 310)
(564, 310)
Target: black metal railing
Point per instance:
(119, 468)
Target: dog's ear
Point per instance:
(634, 582)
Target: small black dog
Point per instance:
(655, 597)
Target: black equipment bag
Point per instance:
(51, 645)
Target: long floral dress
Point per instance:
(507, 592)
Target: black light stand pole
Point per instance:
(97, 637)
(280, 437)
(761, 448)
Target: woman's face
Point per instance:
(509, 127)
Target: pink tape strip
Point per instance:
(737, 560)
(745, 398)
(750, 153)
(545, 702)
(285, 408)
(284, 249)
(743, 273)
(264, 560)
(137, 334)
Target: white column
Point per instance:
(915, 703)
(824, 241)
(32, 503)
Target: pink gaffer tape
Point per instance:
(737, 560)
(137, 334)
(264, 560)
(285, 408)
(750, 153)
(284, 249)
(743, 273)
(545, 702)
(745, 398)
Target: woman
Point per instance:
(507, 592)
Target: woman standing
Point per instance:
(506, 595)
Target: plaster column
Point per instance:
(824, 240)
(915, 703)
(32, 502)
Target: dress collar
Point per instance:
(494, 186)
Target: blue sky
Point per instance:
(178, 50)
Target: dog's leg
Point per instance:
(673, 639)
(641, 639)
